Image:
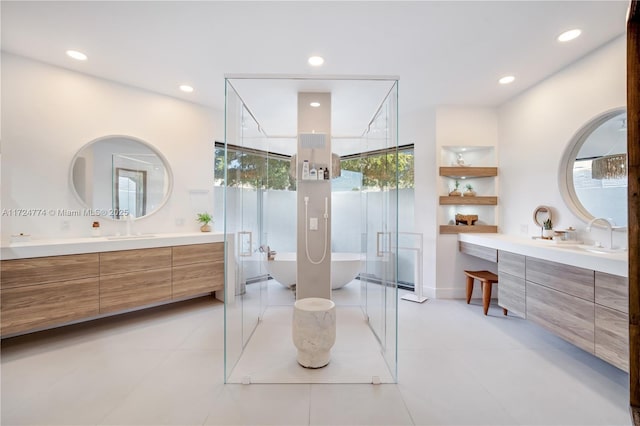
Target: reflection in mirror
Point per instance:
(595, 169)
(119, 175)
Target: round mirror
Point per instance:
(593, 171)
(118, 175)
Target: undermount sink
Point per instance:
(602, 250)
(130, 237)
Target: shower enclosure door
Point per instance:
(381, 205)
(245, 277)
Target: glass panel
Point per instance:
(232, 225)
(260, 216)
(390, 343)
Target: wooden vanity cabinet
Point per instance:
(585, 307)
(47, 291)
(197, 269)
(40, 293)
(511, 282)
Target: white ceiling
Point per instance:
(445, 53)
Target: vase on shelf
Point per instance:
(205, 228)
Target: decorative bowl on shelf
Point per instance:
(466, 219)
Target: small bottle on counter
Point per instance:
(326, 173)
(95, 229)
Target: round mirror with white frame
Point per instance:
(114, 176)
(593, 170)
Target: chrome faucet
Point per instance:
(609, 226)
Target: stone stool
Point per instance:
(314, 330)
(487, 279)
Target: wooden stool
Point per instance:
(487, 279)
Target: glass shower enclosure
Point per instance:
(259, 191)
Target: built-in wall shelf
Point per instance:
(457, 229)
(468, 201)
(467, 172)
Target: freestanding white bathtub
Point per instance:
(344, 268)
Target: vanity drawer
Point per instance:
(571, 318)
(511, 263)
(567, 279)
(25, 272)
(118, 262)
(198, 253)
(612, 291)
(134, 289)
(190, 280)
(476, 250)
(44, 305)
(511, 294)
(612, 337)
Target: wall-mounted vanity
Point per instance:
(49, 283)
(576, 294)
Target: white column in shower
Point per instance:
(313, 278)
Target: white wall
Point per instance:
(48, 113)
(419, 128)
(536, 127)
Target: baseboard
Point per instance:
(451, 293)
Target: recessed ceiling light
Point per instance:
(79, 56)
(316, 61)
(315, 104)
(507, 79)
(569, 35)
(186, 88)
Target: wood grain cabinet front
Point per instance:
(51, 291)
(118, 262)
(570, 317)
(197, 269)
(486, 253)
(511, 294)
(24, 272)
(511, 283)
(43, 292)
(45, 305)
(568, 279)
(612, 337)
(119, 292)
(612, 291)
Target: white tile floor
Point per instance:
(165, 366)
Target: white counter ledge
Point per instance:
(611, 263)
(65, 246)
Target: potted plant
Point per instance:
(547, 229)
(455, 192)
(205, 218)
(469, 192)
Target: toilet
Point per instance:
(314, 330)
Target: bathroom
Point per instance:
(524, 132)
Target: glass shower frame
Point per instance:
(245, 235)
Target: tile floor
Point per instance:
(165, 366)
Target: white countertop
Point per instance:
(64, 246)
(611, 263)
